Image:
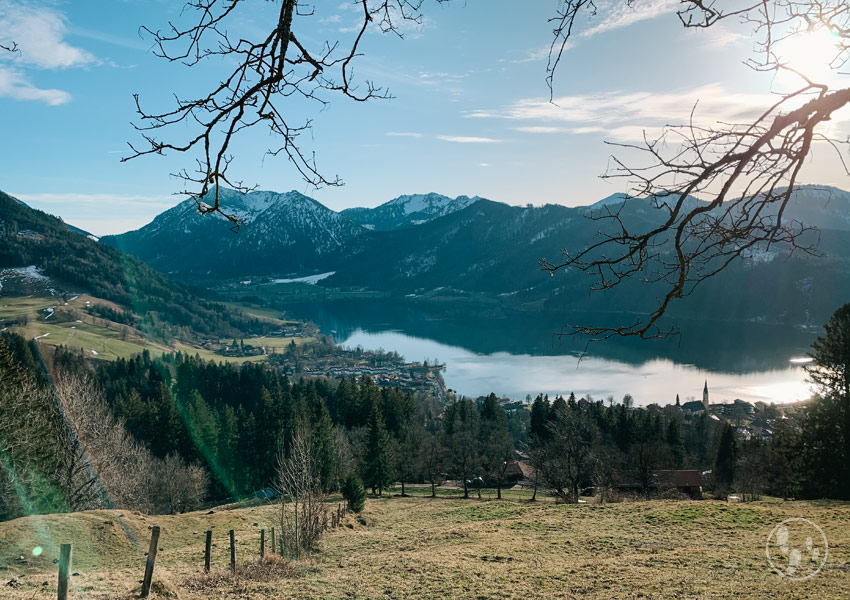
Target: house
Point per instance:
(518, 471)
(688, 482)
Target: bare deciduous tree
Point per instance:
(564, 462)
(746, 171)
(102, 465)
(27, 429)
(267, 76)
(302, 508)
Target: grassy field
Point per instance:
(444, 548)
(107, 342)
(62, 329)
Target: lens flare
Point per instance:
(811, 53)
(37, 551)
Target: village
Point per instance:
(324, 358)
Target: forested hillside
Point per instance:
(74, 264)
(168, 434)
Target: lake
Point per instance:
(519, 355)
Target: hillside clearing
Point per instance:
(422, 548)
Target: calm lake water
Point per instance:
(517, 355)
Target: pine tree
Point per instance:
(830, 372)
(497, 446)
(354, 494)
(322, 438)
(676, 444)
(228, 440)
(724, 463)
(378, 475)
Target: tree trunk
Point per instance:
(402, 489)
(465, 489)
(433, 489)
(499, 489)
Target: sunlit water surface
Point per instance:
(654, 381)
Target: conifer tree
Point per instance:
(322, 439)
(724, 463)
(377, 465)
(676, 444)
(354, 494)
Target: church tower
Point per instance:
(705, 395)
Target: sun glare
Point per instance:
(811, 54)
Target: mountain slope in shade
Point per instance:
(280, 234)
(490, 250)
(68, 225)
(408, 211)
(40, 248)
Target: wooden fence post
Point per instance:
(207, 550)
(262, 544)
(64, 570)
(149, 565)
(274, 548)
(232, 551)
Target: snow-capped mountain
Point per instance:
(279, 234)
(418, 243)
(408, 210)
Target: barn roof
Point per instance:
(680, 478)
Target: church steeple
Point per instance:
(677, 400)
(705, 395)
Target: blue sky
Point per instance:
(470, 115)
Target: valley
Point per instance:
(396, 299)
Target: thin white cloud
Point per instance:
(540, 129)
(101, 200)
(625, 116)
(538, 54)
(715, 36)
(483, 164)
(408, 134)
(101, 214)
(618, 14)
(461, 139)
(38, 32)
(14, 85)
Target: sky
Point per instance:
(470, 114)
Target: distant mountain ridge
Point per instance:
(280, 234)
(434, 245)
(407, 211)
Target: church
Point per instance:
(696, 406)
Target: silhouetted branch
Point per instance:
(747, 172)
(270, 73)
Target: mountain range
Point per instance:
(432, 245)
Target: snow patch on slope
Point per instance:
(311, 279)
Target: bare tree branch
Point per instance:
(747, 172)
(270, 73)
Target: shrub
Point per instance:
(354, 493)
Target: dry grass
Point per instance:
(422, 548)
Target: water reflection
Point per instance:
(517, 354)
(656, 380)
